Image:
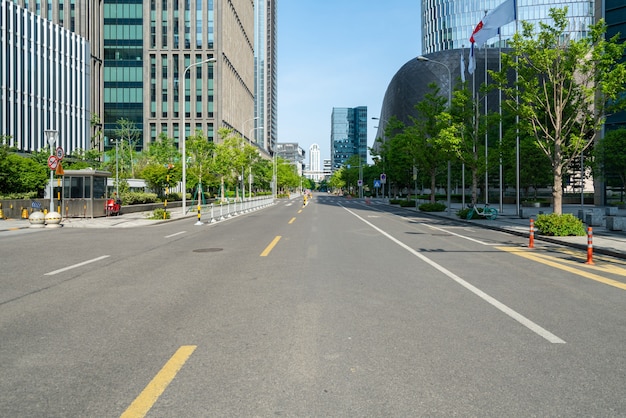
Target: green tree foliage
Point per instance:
(610, 156)
(20, 174)
(566, 87)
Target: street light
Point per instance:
(184, 150)
(423, 58)
(51, 136)
(250, 176)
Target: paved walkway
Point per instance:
(604, 241)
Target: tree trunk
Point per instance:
(433, 185)
(557, 191)
(474, 185)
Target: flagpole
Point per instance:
(500, 125)
(486, 135)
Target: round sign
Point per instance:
(53, 161)
(60, 154)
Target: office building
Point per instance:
(44, 80)
(293, 153)
(83, 18)
(615, 15)
(448, 24)
(348, 135)
(151, 76)
(314, 171)
(265, 129)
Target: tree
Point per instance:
(21, 174)
(128, 136)
(426, 141)
(566, 87)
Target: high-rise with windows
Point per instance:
(348, 135)
(151, 48)
(448, 24)
(265, 130)
(44, 82)
(84, 18)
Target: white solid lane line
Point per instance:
(494, 302)
(52, 273)
(173, 235)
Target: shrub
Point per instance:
(395, 201)
(137, 198)
(408, 203)
(462, 213)
(432, 207)
(160, 213)
(560, 225)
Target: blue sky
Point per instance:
(339, 53)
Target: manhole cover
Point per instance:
(207, 250)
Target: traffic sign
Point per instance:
(376, 184)
(53, 161)
(360, 182)
(60, 154)
(59, 171)
(383, 178)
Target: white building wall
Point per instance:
(44, 81)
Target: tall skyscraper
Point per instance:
(448, 24)
(348, 135)
(44, 80)
(83, 18)
(265, 129)
(151, 78)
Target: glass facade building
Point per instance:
(448, 24)
(265, 77)
(615, 16)
(44, 82)
(348, 135)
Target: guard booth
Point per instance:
(84, 193)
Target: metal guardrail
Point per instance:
(231, 207)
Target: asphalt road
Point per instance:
(335, 309)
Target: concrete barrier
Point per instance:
(615, 223)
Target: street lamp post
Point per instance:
(51, 136)
(184, 133)
(250, 176)
(423, 58)
(383, 122)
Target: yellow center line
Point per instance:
(269, 248)
(148, 397)
(292, 220)
(569, 269)
(300, 211)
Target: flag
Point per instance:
(462, 66)
(489, 26)
(472, 61)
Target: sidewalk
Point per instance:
(127, 220)
(605, 241)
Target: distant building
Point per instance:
(348, 135)
(314, 171)
(291, 152)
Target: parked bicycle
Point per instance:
(486, 211)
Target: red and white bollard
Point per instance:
(589, 246)
(531, 237)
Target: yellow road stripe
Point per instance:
(292, 220)
(539, 259)
(269, 248)
(148, 397)
(300, 211)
